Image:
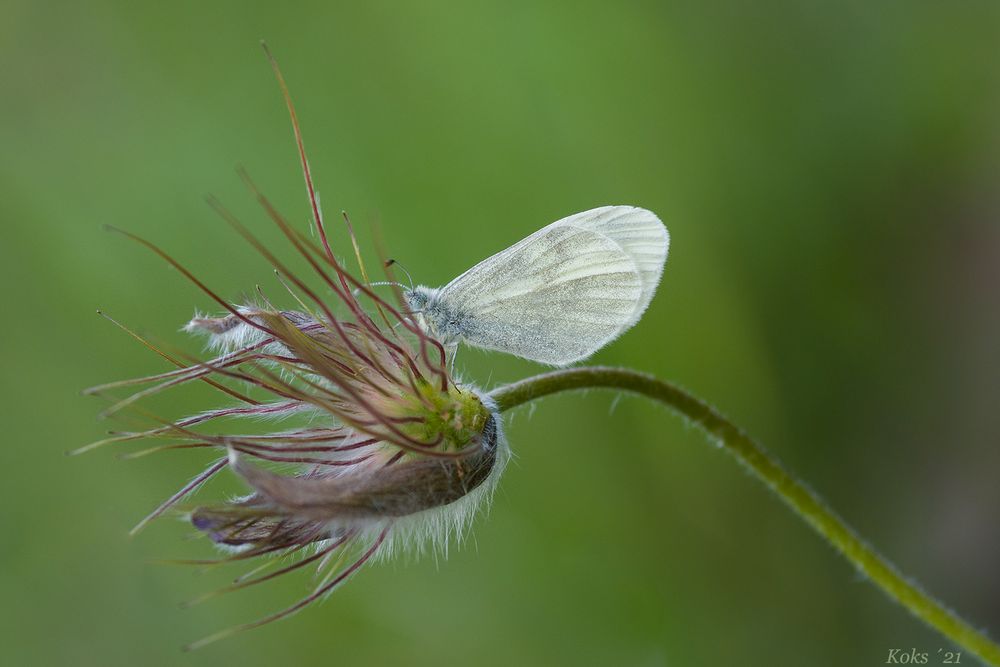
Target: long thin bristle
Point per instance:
(315, 595)
(245, 582)
(187, 274)
(306, 171)
(186, 490)
(174, 361)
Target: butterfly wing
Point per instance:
(639, 233)
(555, 297)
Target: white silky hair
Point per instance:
(230, 333)
(434, 529)
(557, 296)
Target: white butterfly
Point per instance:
(558, 295)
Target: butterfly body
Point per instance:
(441, 318)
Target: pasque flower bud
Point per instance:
(396, 449)
(387, 449)
(390, 450)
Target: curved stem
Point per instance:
(767, 469)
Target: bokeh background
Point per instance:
(828, 172)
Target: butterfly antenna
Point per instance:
(380, 283)
(392, 262)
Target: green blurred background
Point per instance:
(828, 173)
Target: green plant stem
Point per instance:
(768, 470)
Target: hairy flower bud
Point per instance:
(405, 450)
(388, 449)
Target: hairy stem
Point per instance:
(767, 469)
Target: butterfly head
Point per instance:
(434, 314)
(419, 298)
